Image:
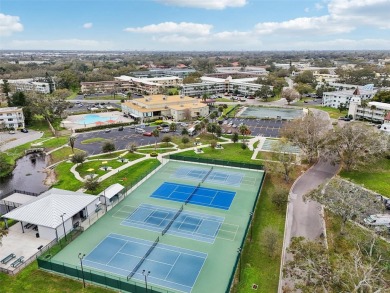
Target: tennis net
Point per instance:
(207, 175)
(190, 196)
(171, 222)
(143, 259)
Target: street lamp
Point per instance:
(63, 224)
(81, 256)
(146, 274)
(239, 263)
(250, 223)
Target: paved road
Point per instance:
(305, 217)
(19, 138)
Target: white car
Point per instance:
(165, 130)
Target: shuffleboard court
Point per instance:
(191, 225)
(170, 266)
(216, 176)
(202, 196)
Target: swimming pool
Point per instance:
(260, 112)
(93, 118)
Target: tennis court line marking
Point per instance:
(126, 272)
(180, 232)
(117, 252)
(173, 265)
(161, 247)
(232, 232)
(144, 244)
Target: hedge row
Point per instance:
(97, 127)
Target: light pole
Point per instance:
(81, 257)
(250, 223)
(239, 263)
(146, 274)
(63, 225)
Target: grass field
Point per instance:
(159, 151)
(333, 113)
(65, 179)
(93, 140)
(130, 175)
(63, 154)
(230, 152)
(375, 176)
(204, 138)
(96, 165)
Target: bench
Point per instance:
(8, 258)
(18, 262)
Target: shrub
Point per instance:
(167, 139)
(235, 137)
(185, 140)
(91, 184)
(158, 122)
(244, 146)
(79, 158)
(108, 146)
(153, 154)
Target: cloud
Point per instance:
(61, 44)
(9, 24)
(182, 28)
(88, 25)
(308, 25)
(343, 16)
(206, 4)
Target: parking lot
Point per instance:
(267, 128)
(120, 138)
(83, 106)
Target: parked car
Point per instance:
(139, 130)
(11, 132)
(165, 130)
(387, 204)
(107, 130)
(147, 133)
(378, 220)
(24, 130)
(120, 128)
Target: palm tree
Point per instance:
(243, 130)
(364, 105)
(155, 133)
(72, 140)
(373, 108)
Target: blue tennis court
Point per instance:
(208, 197)
(170, 266)
(215, 176)
(197, 226)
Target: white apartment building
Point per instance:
(374, 111)
(11, 118)
(29, 85)
(336, 98)
(212, 85)
(124, 83)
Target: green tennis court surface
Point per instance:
(186, 248)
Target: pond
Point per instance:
(274, 113)
(28, 175)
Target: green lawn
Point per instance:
(55, 142)
(72, 96)
(257, 266)
(159, 151)
(205, 138)
(106, 156)
(96, 165)
(231, 152)
(333, 113)
(63, 154)
(129, 176)
(33, 280)
(375, 176)
(93, 140)
(65, 179)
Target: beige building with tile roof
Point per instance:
(178, 107)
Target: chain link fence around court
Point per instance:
(215, 162)
(103, 279)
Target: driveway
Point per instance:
(8, 141)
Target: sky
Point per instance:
(195, 25)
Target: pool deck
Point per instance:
(73, 122)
